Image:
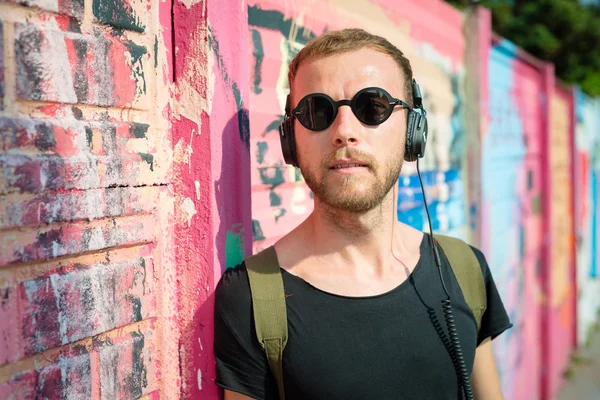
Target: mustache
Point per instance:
(345, 153)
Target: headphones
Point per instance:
(416, 130)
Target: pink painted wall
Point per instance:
(124, 140)
(560, 303)
(211, 179)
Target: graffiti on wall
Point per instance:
(587, 168)
(511, 206)
(281, 200)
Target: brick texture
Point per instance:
(126, 371)
(126, 368)
(66, 240)
(72, 8)
(74, 302)
(51, 155)
(75, 205)
(125, 14)
(81, 170)
(99, 69)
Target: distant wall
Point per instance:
(511, 212)
(561, 315)
(587, 175)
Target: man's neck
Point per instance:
(355, 238)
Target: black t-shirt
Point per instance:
(390, 346)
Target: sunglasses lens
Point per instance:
(315, 112)
(372, 106)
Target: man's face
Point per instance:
(380, 148)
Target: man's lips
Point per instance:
(348, 164)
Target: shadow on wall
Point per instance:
(231, 241)
(234, 183)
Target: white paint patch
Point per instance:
(200, 379)
(96, 239)
(190, 3)
(200, 343)
(189, 209)
(62, 319)
(50, 5)
(197, 184)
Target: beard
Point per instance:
(352, 193)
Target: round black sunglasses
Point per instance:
(372, 106)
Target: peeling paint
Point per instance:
(197, 185)
(189, 208)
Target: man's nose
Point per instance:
(345, 128)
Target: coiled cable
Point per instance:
(458, 359)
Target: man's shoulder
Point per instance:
(233, 289)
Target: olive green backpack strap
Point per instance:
(467, 270)
(268, 304)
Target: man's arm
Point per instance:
(486, 382)
(229, 395)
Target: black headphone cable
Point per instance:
(457, 357)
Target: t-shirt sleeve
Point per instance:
(242, 366)
(494, 320)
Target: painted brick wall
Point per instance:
(83, 159)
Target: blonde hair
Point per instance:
(347, 40)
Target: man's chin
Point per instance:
(349, 202)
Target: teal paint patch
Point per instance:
(137, 68)
(117, 13)
(274, 20)
(234, 247)
(259, 55)
(136, 308)
(271, 176)
(262, 149)
(242, 113)
(155, 51)
(143, 264)
(279, 213)
(458, 143)
(138, 379)
(274, 126)
(243, 117)
(275, 200)
(149, 159)
(138, 130)
(257, 232)
(89, 136)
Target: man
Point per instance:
(363, 294)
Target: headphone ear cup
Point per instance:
(409, 154)
(287, 136)
(288, 143)
(416, 135)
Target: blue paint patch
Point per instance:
(446, 215)
(503, 155)
(507, 48)
(595, 224)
